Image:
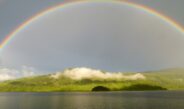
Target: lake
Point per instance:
(94, 100)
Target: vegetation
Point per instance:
(171, 79)
(100, 88)
(138, 87)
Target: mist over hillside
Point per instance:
(87, 73)
(72, 73)
(10, 74)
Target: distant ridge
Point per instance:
(85, 79)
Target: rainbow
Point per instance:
(148, 10)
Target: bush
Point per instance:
(100, 88)
(139, 87)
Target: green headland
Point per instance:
(170, 79)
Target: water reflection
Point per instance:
(93, 100)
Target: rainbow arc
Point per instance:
(148, 10)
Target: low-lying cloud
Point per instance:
(75, 74)
(9, 74)
(86, 73)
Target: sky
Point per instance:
(144, 45)
(14, 12)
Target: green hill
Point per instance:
(73, 80)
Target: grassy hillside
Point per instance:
(171, 79)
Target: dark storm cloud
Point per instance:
(14, 12)
(107, 36)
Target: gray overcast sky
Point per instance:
(13, 13)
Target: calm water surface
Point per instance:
(93, 100)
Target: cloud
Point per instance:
(75, 74)
(87, 73)
(9, 74)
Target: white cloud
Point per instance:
(75, 74)
(9, 74)
(86, 73)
